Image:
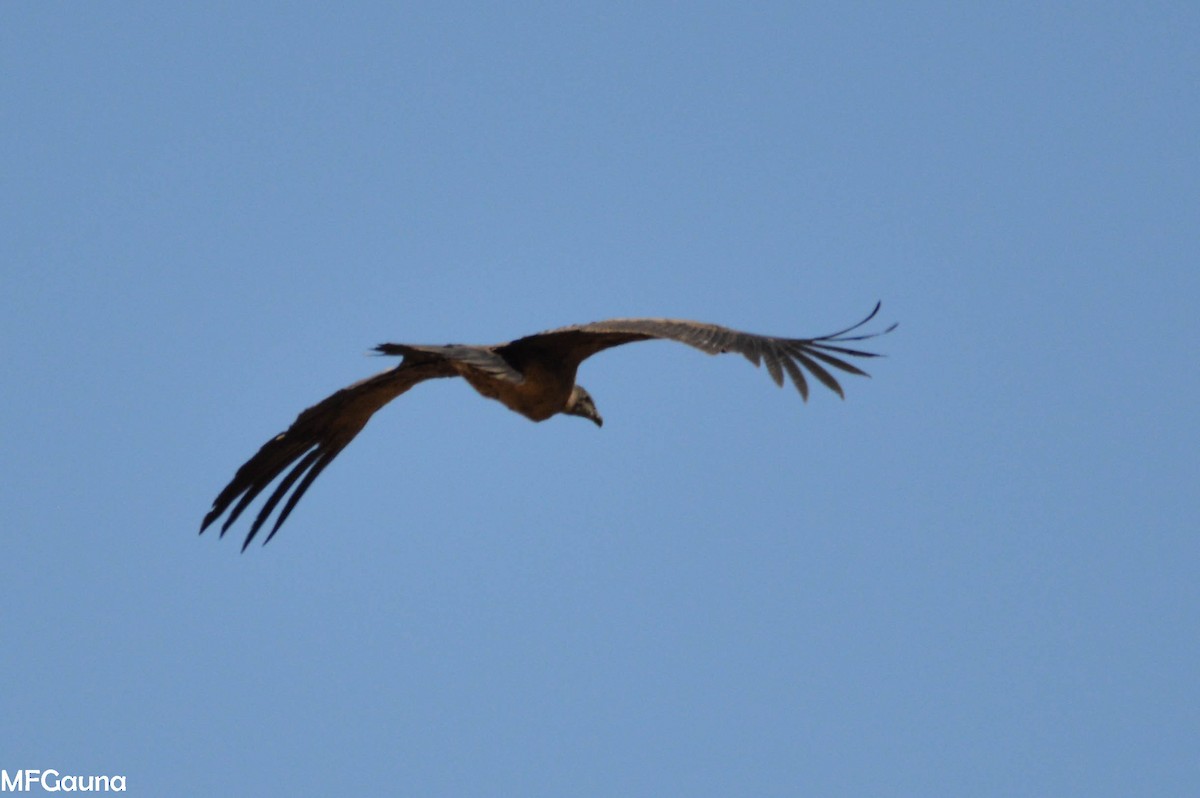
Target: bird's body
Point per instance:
(542, 392)
(533, 376)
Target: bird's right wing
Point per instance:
(313, 440)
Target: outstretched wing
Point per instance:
(312, 441)
(791, 355)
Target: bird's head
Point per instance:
(580, 403)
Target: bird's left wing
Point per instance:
(791, 355)
(313, 440)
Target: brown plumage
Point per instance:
(534, 376)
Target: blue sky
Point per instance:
(977, 575)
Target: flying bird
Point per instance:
(534, 376)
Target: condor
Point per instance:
(533, 376)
